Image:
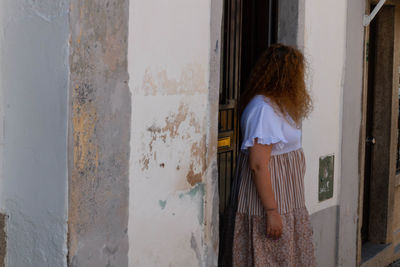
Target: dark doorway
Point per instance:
(378, 130)
(249, 27)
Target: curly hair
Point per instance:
(279, 75)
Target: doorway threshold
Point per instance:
(372, 253)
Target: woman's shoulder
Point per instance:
(259, 120)
(259, 106)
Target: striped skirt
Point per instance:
(250, 245)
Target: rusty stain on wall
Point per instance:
(84, 122)
(192, 177)
(85, 159)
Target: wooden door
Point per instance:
(378, 159)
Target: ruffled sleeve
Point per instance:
(261, 121)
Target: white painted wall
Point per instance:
(324, 47)
(170, 177)
(34, 94)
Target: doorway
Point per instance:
(249, 27)
(379, 165)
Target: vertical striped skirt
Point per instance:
(246, 242)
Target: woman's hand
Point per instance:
(274, 224)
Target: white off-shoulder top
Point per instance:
(260, 120)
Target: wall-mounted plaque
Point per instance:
(326, 173)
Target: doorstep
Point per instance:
(375, 255)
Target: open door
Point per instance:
(249, 28)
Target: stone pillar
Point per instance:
(99, 129)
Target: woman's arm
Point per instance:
(258, 160)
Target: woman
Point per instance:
(270, 223)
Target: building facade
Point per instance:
(119, 127)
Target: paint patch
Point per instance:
(197, 193)
(172, 130)
(198, 157)
(162, 203)
(193, 80)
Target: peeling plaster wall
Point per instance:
(33, 133)
(174, 78)
(99, 133)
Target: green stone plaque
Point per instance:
(326, 172)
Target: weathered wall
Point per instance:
(33, 118)
(99, 133)
(173, 179)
